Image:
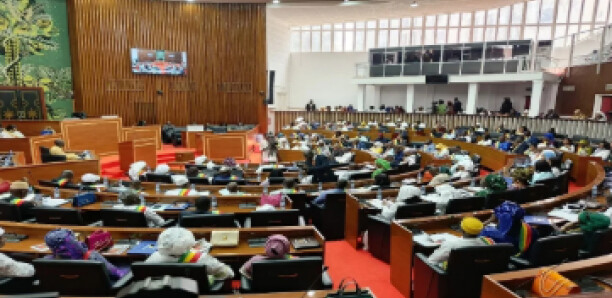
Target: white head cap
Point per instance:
(135, 170)
(90, 178)
(406, 192)
(162, 169)
(175, 241)
(200, 160)
(180, 180)
(210, 165)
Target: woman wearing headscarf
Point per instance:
(64, 245)
(510, 227)
(381, 167)
(589, 222)
(277, 248)
(407, 194)
(521, 178)
(178, 245)
(493, 183)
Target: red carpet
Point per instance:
(345, 262)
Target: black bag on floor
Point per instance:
(357, 293)
(161, 288)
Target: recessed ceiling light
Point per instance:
(276, 1)
(414, 4)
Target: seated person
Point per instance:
(583, 149)
(178, 245)
(137, 169)
(64, 178)
(277, 248)
(542, 170)
(19, 195)
(381, 181)
(439, 176)
(224, 175)
(503, 144)
(231, 190)
(381, 167)
(510, 227)
(603, 151)
(90, 179)
(131, 201)
(202, 206)
(11, 132)
(162, 169)
(58, 150)
(568, 146)
(64, 245)
(406, 194)
(521, 178)
(461, 173)
(181, 181)
(441, 151)
(288, 187)
(200, 160)
(377, 149)
(12, 268)
(588, 222)
(193, 172)
(429, 147)
(470, 229)
(340, 188)
(492, 183)
(555, 165)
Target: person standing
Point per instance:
(457, 108)
(311, 107)
(506, 106)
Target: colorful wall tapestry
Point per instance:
(35, 51)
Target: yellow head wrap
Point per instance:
(471, 225)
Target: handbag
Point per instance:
(357, 293)
(99, 240)
(161, 288)
(224, 238)
(550, 283)
(273, 200)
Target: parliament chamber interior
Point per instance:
(301, 148)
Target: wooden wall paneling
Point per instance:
(29, 146)
(588, 83)
(50, 170)
(37, 142)
(224, 43)
(143, 132)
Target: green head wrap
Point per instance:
(593, 221)
(495, 183)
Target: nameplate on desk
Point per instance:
(84, 199)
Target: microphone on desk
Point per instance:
(323, 270)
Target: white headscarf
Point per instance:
(162, 169)
(210, 165)
(200, 160)
(90, 178)
(406, 192)
(175, 241)
(180, 180)
(135, 169)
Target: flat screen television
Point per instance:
(158, 62)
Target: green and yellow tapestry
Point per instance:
(35, 51)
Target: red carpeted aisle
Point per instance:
(344, 261)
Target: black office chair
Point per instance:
(125, 218)
(287, 275)
(551, 250)
(77, 277)
(300, 201)
(209, 221)
(45, 156)
(278, 218)
(196, 272)
(599, 243)
(10, 212)
(553, 185)
(463, 275)
(199, 181)
(21, 286)
(360, 176)
(465, 205)
(58, 216)
(50, 183)
(329, 218)
(533, 193)
(415, 210)
(161, 178)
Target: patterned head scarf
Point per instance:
(64, 245)
(495, 183)
(277, 246)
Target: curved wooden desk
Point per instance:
(48, 171)
(402, 245)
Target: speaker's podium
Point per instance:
(137, 150)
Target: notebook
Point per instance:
(305, 243)
(143, 248)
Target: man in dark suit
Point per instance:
(457, 108)
(311, 107)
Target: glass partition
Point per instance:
(412, 60)
(451, 59)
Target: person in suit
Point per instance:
(340, 188)
(506, 106)
(310, 106)
(470, 229)
(178, 245)
(288, 187)
(11, 132)
(457, 108)
(202, 206)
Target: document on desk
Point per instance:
(474, 188)
(433, 240)
(376, 203)
(49, 202)
(566, 214)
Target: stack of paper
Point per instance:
(49, 202)
(564, 214)
(376, 203)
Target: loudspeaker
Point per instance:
(270, 99)
(436, 79)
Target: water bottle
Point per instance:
(56, 193)
(38, 199)
(282, 204)
(30, 190)
(192, 189)
(157, 188)
(142, 199)
(423, 190)
(258, 177)
(300, 175)
(473, 182)
(594, 192)
(265, 189)
(419, 177)
(105, 182)
(320, 186)
(379, 194)
(213, 202)
(352, 184)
